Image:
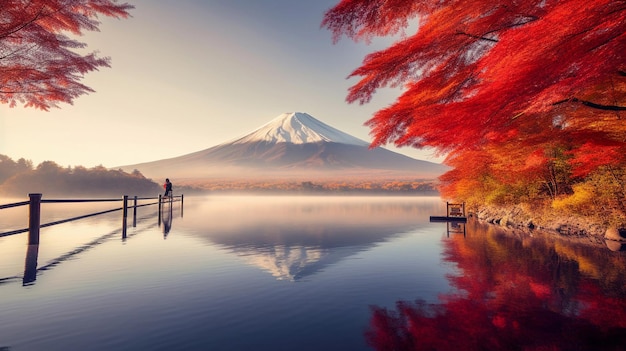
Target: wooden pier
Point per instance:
(454, 213)
(34, 213)
(34, 225)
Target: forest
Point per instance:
(526, 99)
(354, 186)
(19, 178)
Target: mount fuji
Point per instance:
(292, 145)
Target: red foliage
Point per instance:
(592, 155)
(482, 74)
(38, 64)
(474, 66)
(511, 296)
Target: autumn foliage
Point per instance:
(526, 98)
(39, 63)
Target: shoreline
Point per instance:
(568, 227)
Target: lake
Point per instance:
(302, 273)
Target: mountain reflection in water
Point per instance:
(300, 273)
(514, 293)
(294, 237)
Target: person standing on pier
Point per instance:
(168, 187)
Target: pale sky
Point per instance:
(187, 75)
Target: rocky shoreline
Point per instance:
(566, 227)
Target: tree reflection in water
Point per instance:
(514, 293)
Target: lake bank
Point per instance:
(572, 227)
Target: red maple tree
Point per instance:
(472, 68)
(532, 84)
(38, 65)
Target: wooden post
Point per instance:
(160, 204)
(181, 205)
(30, 266)
(34, 218)
(135, 212)
(124, 216)
(125, 211)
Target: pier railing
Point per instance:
(34, 210)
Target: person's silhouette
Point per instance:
(168, 187)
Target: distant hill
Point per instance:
(18, 179)
(291, 146)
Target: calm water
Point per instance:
(302, 273)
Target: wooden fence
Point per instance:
(34, 205)
(36, 199)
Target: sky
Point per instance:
(187, 75)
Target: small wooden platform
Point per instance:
(454, 213)
(448, 219)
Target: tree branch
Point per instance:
(476, 36)
(593, 105)
(19, 27)
(509, 26)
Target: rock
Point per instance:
(615, 234)
(563, 225)
(561, 228)
(615, 245)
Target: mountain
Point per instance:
(293, 145)
(298, 128)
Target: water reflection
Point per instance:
(293, 239)
(455, 228)
(522, 293)
(197, 290)
(30, 266)
(165, 217)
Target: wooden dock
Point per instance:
(454, 213)
(448, 219)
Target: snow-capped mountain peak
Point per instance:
(291, 145)
(299, 128)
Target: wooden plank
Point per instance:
(447, 219)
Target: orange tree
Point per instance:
(513, 88)
(38, 65)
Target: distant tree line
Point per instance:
(19, 178)
(334, 186)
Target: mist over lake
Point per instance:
(287, 273)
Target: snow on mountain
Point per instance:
(299, 128)
(291, 145)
